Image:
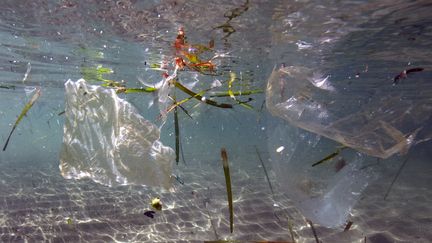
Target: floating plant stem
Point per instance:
(183, 101)
(200, 97)
(245, 104)
(135, 90)
(396, 176)
(313, 230)
(290, 228)
(265, 170)
(330, 156)
(182, 154)
(236, 93)
(177, 135)
(230, 82)
(185, 111)
(231, 93)
(6, 86)
(23, 113)
(228, 186)
(211, 221)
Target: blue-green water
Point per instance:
(358, 46)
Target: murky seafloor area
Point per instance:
(362, 47)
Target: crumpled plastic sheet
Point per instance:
(371, 117)
(379, 122)
(107, 140)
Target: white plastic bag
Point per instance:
(105, 139)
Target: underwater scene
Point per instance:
(216, 121)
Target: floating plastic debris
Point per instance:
(280, 149)
(122, 147)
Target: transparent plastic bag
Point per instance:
(326, 193)
(105, 139)
(377, 121)
(370, 116)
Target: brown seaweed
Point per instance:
(228, 186)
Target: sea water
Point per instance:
(45, 43)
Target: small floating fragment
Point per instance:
(280, 149)
(404, 74)
(27, 72)
(69, 221)
(348, 226)
(149, 213)
(177, 178)
(156, 203)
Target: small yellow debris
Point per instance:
(156, 203)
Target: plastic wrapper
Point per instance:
(105, 139)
